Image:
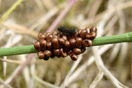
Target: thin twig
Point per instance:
(21, 69)
(11, 9)
(61, 15)
(6, 85)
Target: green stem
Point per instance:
(17, 50)
(97, 41)
(127, 37)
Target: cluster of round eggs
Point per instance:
(60, 45)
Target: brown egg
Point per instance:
(77, 51)
(73, 56)
(93, 29)
(48, 33)
(78, 42)
(72, 42)
(54, 33)
(78, 32)
(46, 58)
(63, 54)
(56, 52)
(86, 42)
(67, 45)
(41, 36)
(49, 37)
(37, 46)
(70, 52)
(61, 41)
(88, 36)
(49, 46)
(43, 44)
(47, 53)
(83, 33)
(55, 36)
(60, 34)
(83, 49)
(55, 43)
(52, 55)
(91, 35)
(75, 36)
(87, 30)
(58, 56)
(64, 37)
(41, 55)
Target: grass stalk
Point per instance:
(10, 10)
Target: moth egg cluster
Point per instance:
(60, 45)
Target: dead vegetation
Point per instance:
(106, 66)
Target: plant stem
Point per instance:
(17, 50)
(127, 37)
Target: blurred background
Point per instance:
(30, 17)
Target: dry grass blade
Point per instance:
(94, 8)
(25, 71)
(72, 69)
(11, 61)
(32, 70)
(21, 29)
(97, 79)
(45, 83)
(102, 68)
(3, 83)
